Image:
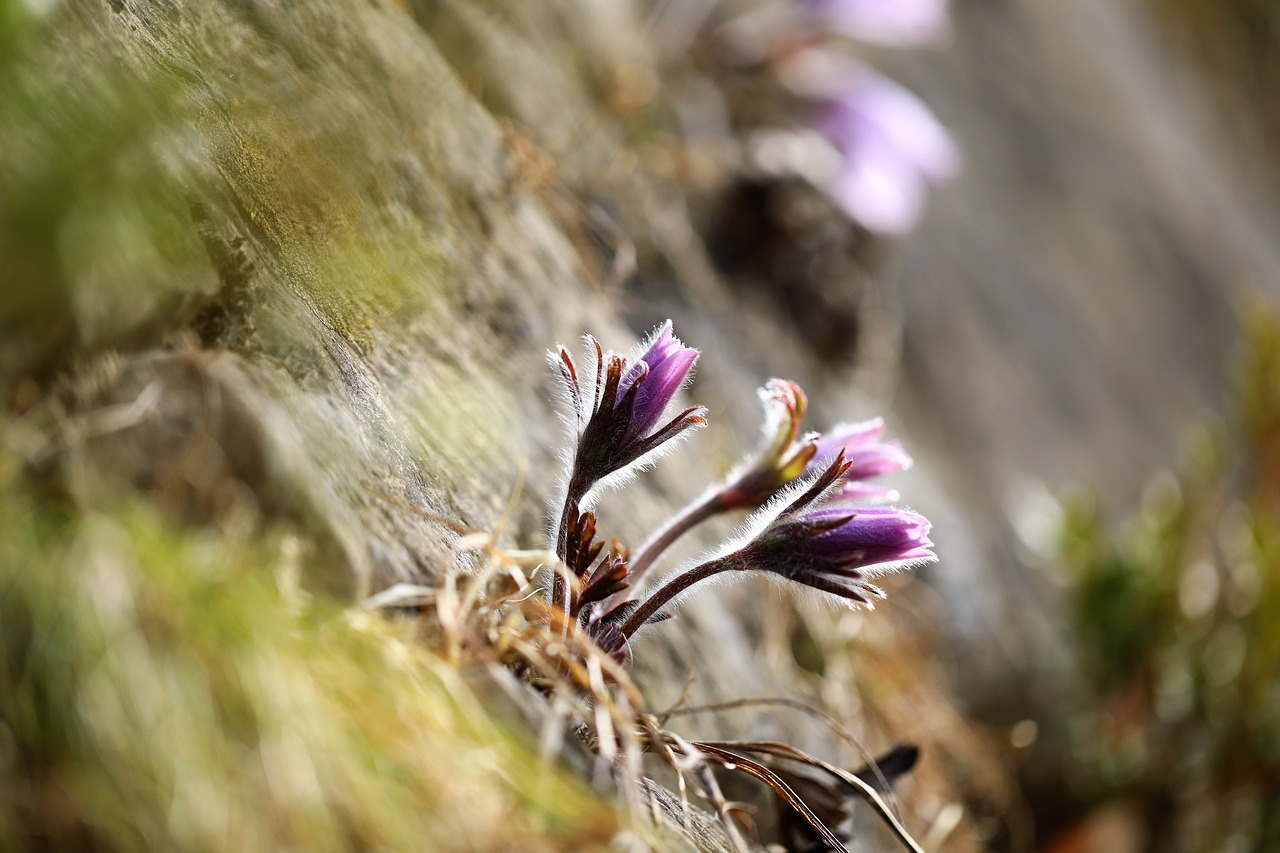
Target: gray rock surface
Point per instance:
(1070, 304)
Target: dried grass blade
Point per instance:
(831, 722)
(783, 750)
(712, 790)
(782, 789)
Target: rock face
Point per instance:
(379, 286)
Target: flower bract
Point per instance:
(619, 422)
(834, 547)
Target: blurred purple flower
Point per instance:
(887, 22)
(891, 149)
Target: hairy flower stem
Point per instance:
(675, 586)
(680, 524)
(578, 487)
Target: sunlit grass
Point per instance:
(166, 689)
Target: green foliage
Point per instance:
(164, 689)
(95, 235)
(1178, 619)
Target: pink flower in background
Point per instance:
(891, 147)
(887, 22)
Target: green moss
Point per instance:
(327, 235)
(96, 242)
(159, 690)
(109, 134)
(161, 686)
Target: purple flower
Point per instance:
(854, 544)
(657, 375)
(617, 426)
(834, 547)
(891, 149)
(867, 457)
(829, 546)
(888, 22)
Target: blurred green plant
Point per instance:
(165, 688)
(1178, 619)
(95, 233)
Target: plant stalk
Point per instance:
(573, 497)
(678, 525)
(678, 584)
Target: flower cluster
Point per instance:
(785, 457)
(813, 525)
(816, 540)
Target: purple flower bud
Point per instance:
(870, 534)
(888, 22)
(867, 457)
(657, 374)
(891, 149)
(617, 425)
(835, 547)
